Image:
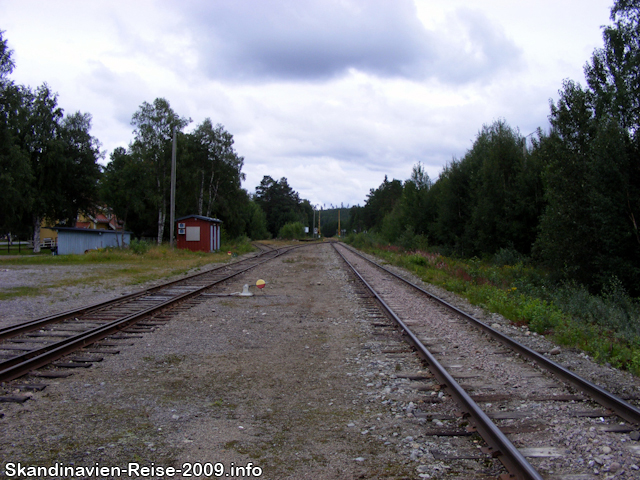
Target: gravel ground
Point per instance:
(295, 380)
(62, 298)
(281, 379)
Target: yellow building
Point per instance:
(103, 220)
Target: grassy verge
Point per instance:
(124, 265)
(607, 327)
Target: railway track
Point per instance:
(536, 417)
(30, 345)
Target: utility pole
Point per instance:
(339, 231)
(173, 189)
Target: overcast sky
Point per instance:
(332, 94)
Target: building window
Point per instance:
(193, 234)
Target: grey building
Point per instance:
(81, 240)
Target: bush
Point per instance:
(614, 310)
(418, 260)
(139, 247)
(292, 230)
(240, 245)
(362, 240)
(507, 256)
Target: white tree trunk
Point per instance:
(201, 197)
(161, 217)
(36, 234)
(213, 193)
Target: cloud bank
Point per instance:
(305, 40)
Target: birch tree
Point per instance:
(217, 163)
(154, 124)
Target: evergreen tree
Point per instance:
(280, 203)
(589, 231)
(380, 202)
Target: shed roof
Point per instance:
(88, 230)
(200, 217)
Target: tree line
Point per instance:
(48, 160)
(569, 199)
(50, 170)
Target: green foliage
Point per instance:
(292, 230)
(507, 256)
(122, 189)
(329, 219)
(488, 200)
(49, 169)
(136, 185)
(6, 61)
(505, 205)
(356, 220)
(571, 202)
(139, 247)
(257, 222)
(380, 202)
(154, 125)
(362, 240)
(281, 204)
(239, 245)
(589, 231)
(48, 161)
(16, 173)
(210, 177)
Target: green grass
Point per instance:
(607, 327)
(23, 250)
(13, 292)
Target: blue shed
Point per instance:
(79, 240)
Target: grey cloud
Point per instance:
(125, 92)
(475, 48)
(255, 41)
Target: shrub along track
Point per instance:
(534, 408)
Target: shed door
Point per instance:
(211, 239)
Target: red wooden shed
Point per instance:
(198, 233)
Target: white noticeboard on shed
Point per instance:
(193, 234)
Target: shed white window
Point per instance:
(193, 234)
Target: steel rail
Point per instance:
(603, 397)
(14, 330)
(21, 364)
(19, 329)
(501, 446)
